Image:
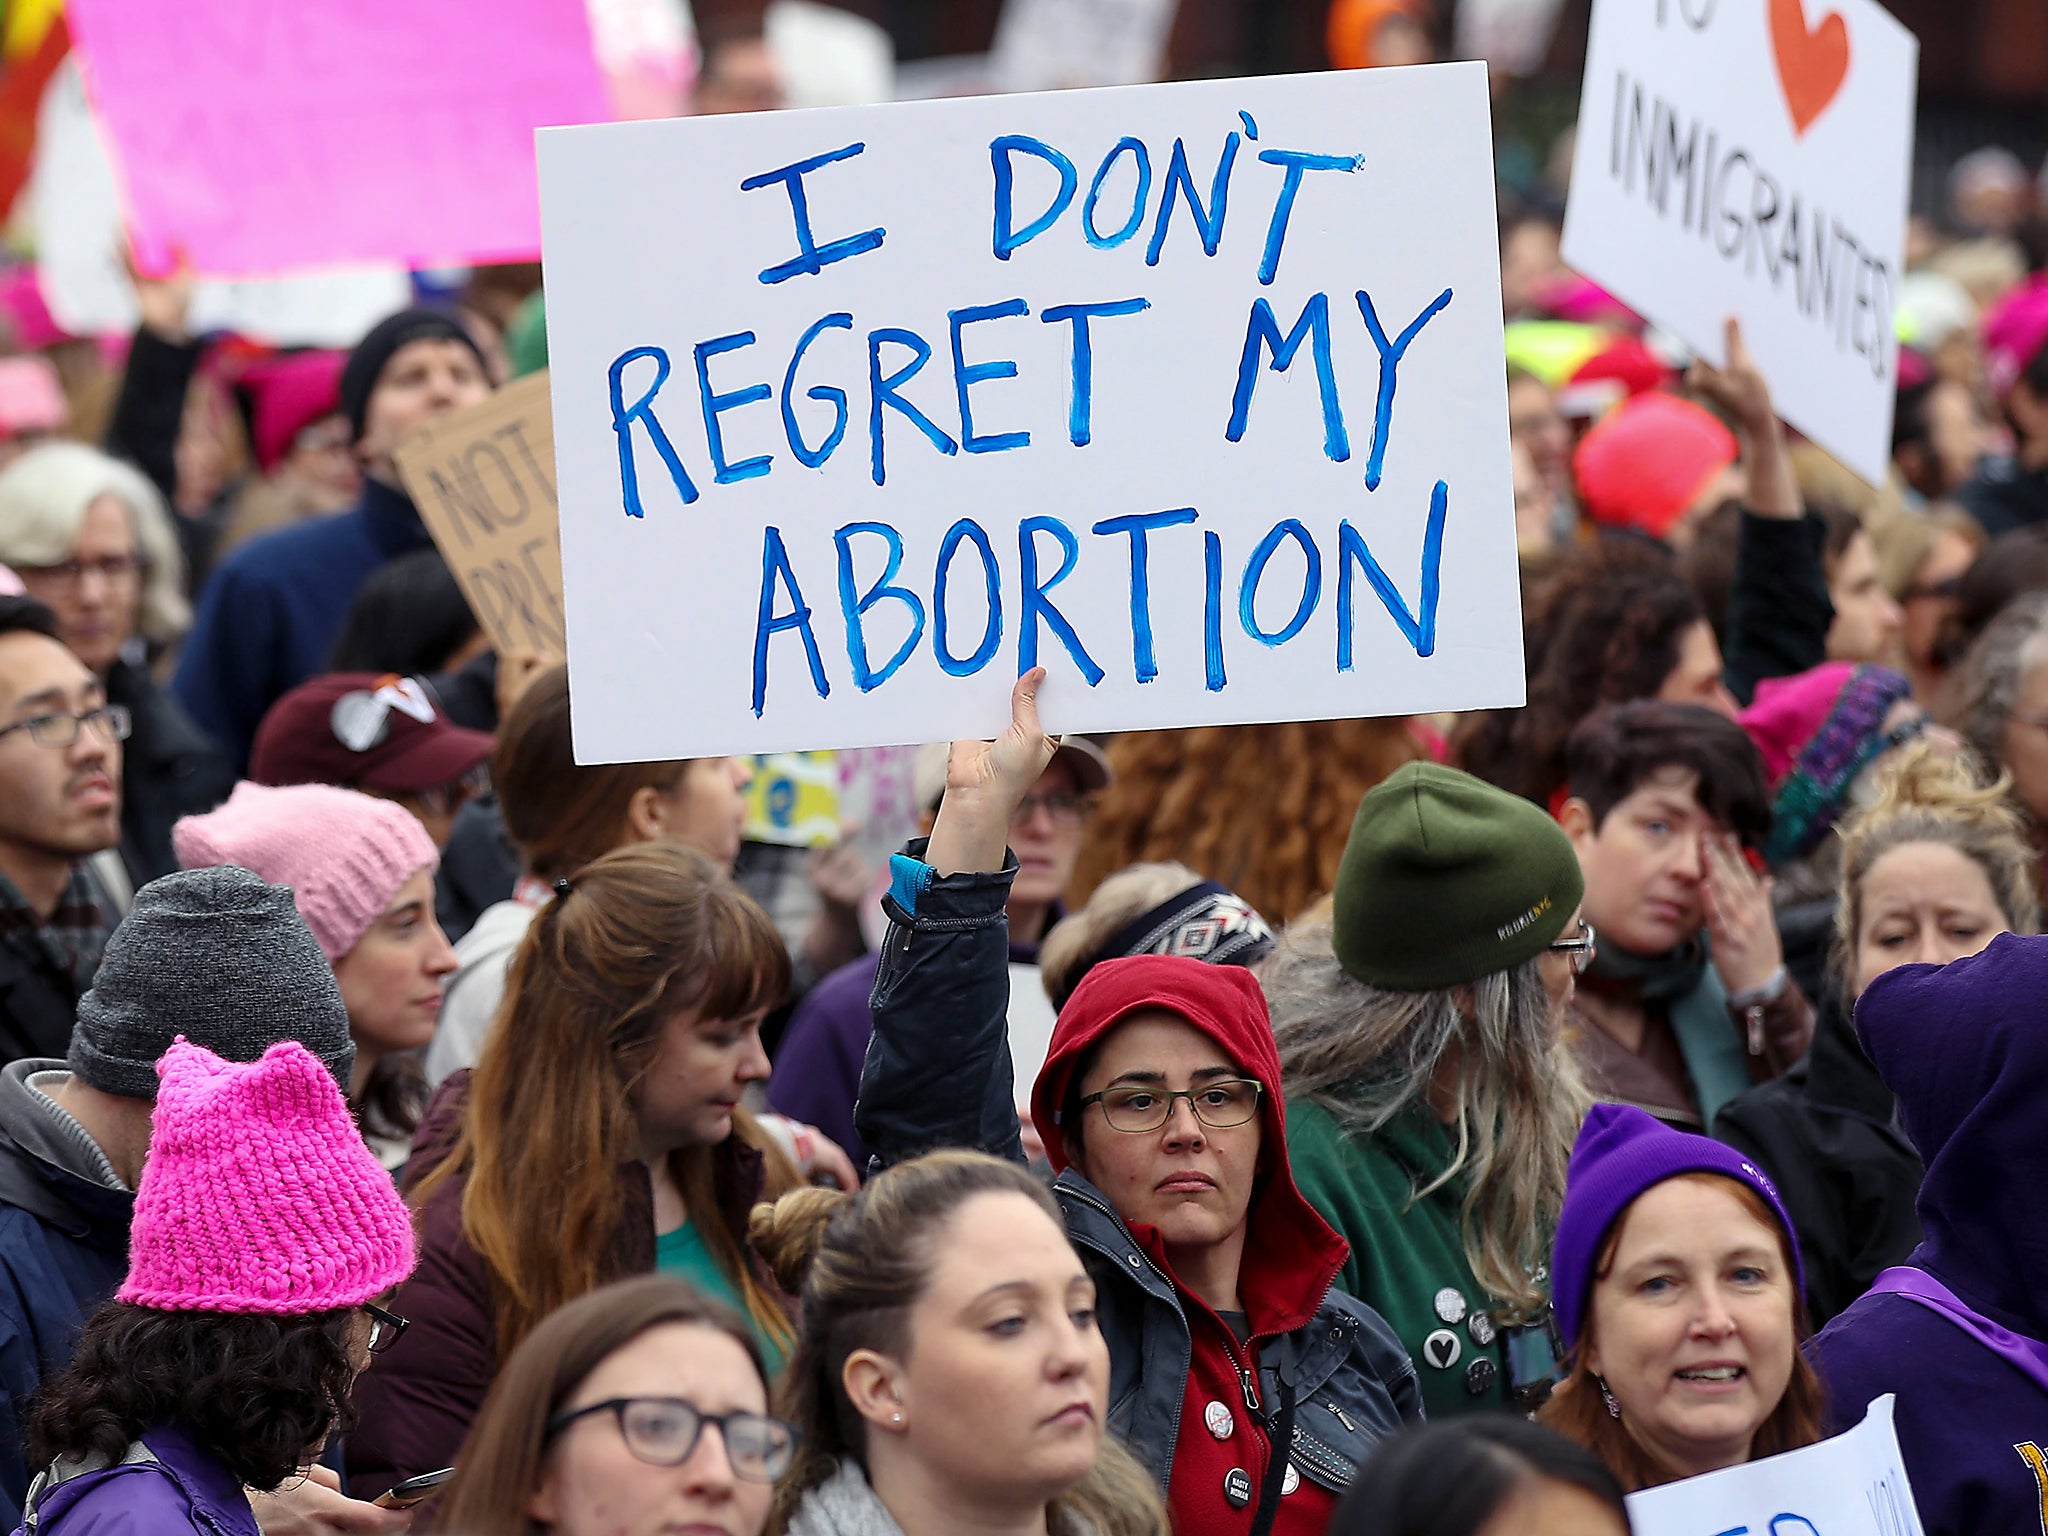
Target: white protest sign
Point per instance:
(1733, 159)
(1046, 45)
(1852, 1485)
(1191, 392)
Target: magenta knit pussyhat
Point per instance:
(258, 1194)
(343, 854)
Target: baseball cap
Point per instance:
(367, 731)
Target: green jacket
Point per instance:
(1405, 1254)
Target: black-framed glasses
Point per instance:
(385, 1327)
(663, 1431)
(1579, 949)
(111, 721)
(1219, 1105)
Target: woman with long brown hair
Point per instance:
(1676, 1279)
(597, 1424)
(600, 1136)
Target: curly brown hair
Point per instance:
(1263, 808)
(1605, 629)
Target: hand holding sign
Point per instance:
(1740, 389)
(985, 783)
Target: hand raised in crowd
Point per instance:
(1740, 924)
(986, 781)
(1739, 387)
(164, 299)
(315, 1506)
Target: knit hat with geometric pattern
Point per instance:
(344, 854)
(258, 1194)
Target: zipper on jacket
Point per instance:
(1248, 1381)
(1342, 1418)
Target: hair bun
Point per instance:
(787, 1232)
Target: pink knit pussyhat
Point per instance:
(258, 1194)
(343, 854)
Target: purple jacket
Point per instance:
(183, 1489)
(1963, 1048)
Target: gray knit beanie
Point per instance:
(220, 957)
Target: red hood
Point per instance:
(1291, 1255)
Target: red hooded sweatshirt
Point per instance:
(1291, 1255)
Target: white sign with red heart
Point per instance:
(1754, 160)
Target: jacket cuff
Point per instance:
(921, 899)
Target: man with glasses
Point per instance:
(60, 803)
(817, 1066)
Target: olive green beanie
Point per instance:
(1446, 879)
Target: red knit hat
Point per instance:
(1647, 461)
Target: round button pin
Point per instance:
(1290, 1480)
(1450, 1305)
(1479, 1376)
(1237, 1487)
(1217, 1416)
(1480, 1326)
(1441, 1349)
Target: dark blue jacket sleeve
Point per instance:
(938, 1071)
(227, 670)
(1779, 610)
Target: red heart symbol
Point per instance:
(1811, 65)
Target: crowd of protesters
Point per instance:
(404, 1126)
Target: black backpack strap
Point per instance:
(1282, 1435)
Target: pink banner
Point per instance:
(260, 136)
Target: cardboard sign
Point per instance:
(1053, 45)
(1191, 392)
(1733, 159)
(260, 137)
(484, 481)
(1852, 1485)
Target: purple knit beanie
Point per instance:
(1622, 1153)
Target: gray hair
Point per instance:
(44, 495)
(1367, 1054)
(1986, 688)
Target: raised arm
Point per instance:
(938, 1070)
(1778, 605)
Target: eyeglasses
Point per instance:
(60, 730)
(663, 1431)
(114, 570)
(1065, 810)
(1219, 1105)
(385, 1327)
(1580, 949)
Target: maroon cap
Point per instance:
(360, 730)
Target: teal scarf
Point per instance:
(1689, 987)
